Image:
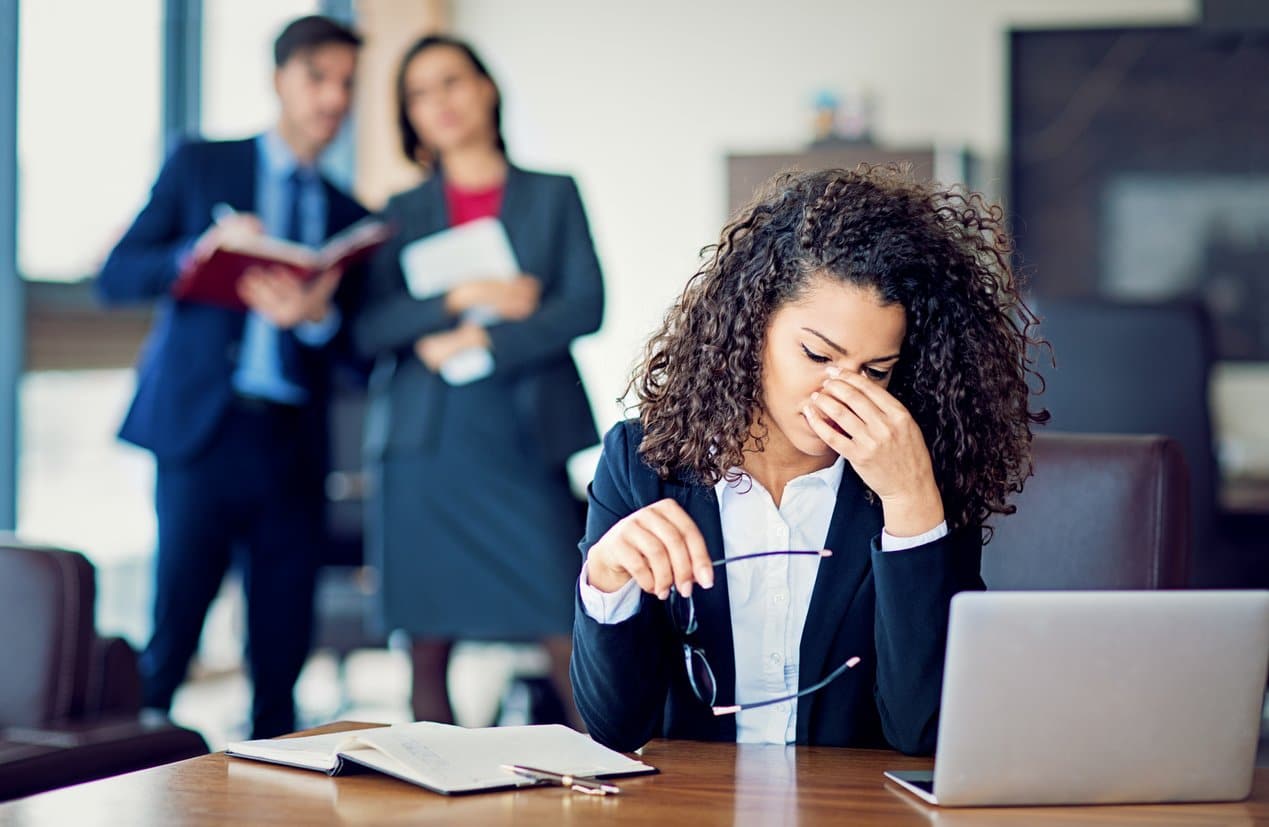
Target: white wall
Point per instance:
(642, 100)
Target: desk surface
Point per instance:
(701, 784)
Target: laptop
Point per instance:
(1099, 698)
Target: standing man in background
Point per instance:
(233, 403)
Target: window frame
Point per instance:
(60, 325)
(12, 299)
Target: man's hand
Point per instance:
(283, 299)
(225, 231)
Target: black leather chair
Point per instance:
(1101, 512)
(1126, 368)
(70, 701)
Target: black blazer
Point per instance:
(889, 608)
(547, 227)
(185, 374)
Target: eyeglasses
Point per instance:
(699, 673)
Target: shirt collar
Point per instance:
(830, 476)
(279, 160)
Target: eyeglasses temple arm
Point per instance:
(823, 552)
(732, 710)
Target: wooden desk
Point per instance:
(700, 784)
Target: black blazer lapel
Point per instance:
(425, 214)
(855, 522)
(517, 202)
(240, 181)
(342, 211)
(429, 214)
(713, 608)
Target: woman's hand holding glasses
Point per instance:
(658, 546)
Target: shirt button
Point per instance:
(775, 657)
(779, 598)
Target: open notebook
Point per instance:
(446, 759)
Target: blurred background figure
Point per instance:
(233, 404)
(475, 526)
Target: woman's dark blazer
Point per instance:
(889, 608)
(547, 227)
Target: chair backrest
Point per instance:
(1139, 369)
(46, 611)
(1101, 512)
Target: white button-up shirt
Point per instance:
(769, 596)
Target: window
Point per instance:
(89, 142)
(82, 489)
(238, 40)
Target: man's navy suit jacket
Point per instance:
(185, 373)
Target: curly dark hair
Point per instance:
(941, 254)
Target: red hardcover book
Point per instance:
(214, 280)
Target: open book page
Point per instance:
(367, 233)
(314, 752)
(283, 781)
(349, 243)
(476, 251)
(266, 248)
(453, 759)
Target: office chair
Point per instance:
(1140, 369)
(1101, 512)
(70, 701)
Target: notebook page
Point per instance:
(276, 249)
(456, 759)
(364, 233)
(316, 752)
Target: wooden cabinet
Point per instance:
(746, 172)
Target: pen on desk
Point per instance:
(582, 785)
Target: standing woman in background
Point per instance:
(474, 521)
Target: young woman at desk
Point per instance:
(473, 521)
(848, 371)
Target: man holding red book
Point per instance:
(232, 401)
